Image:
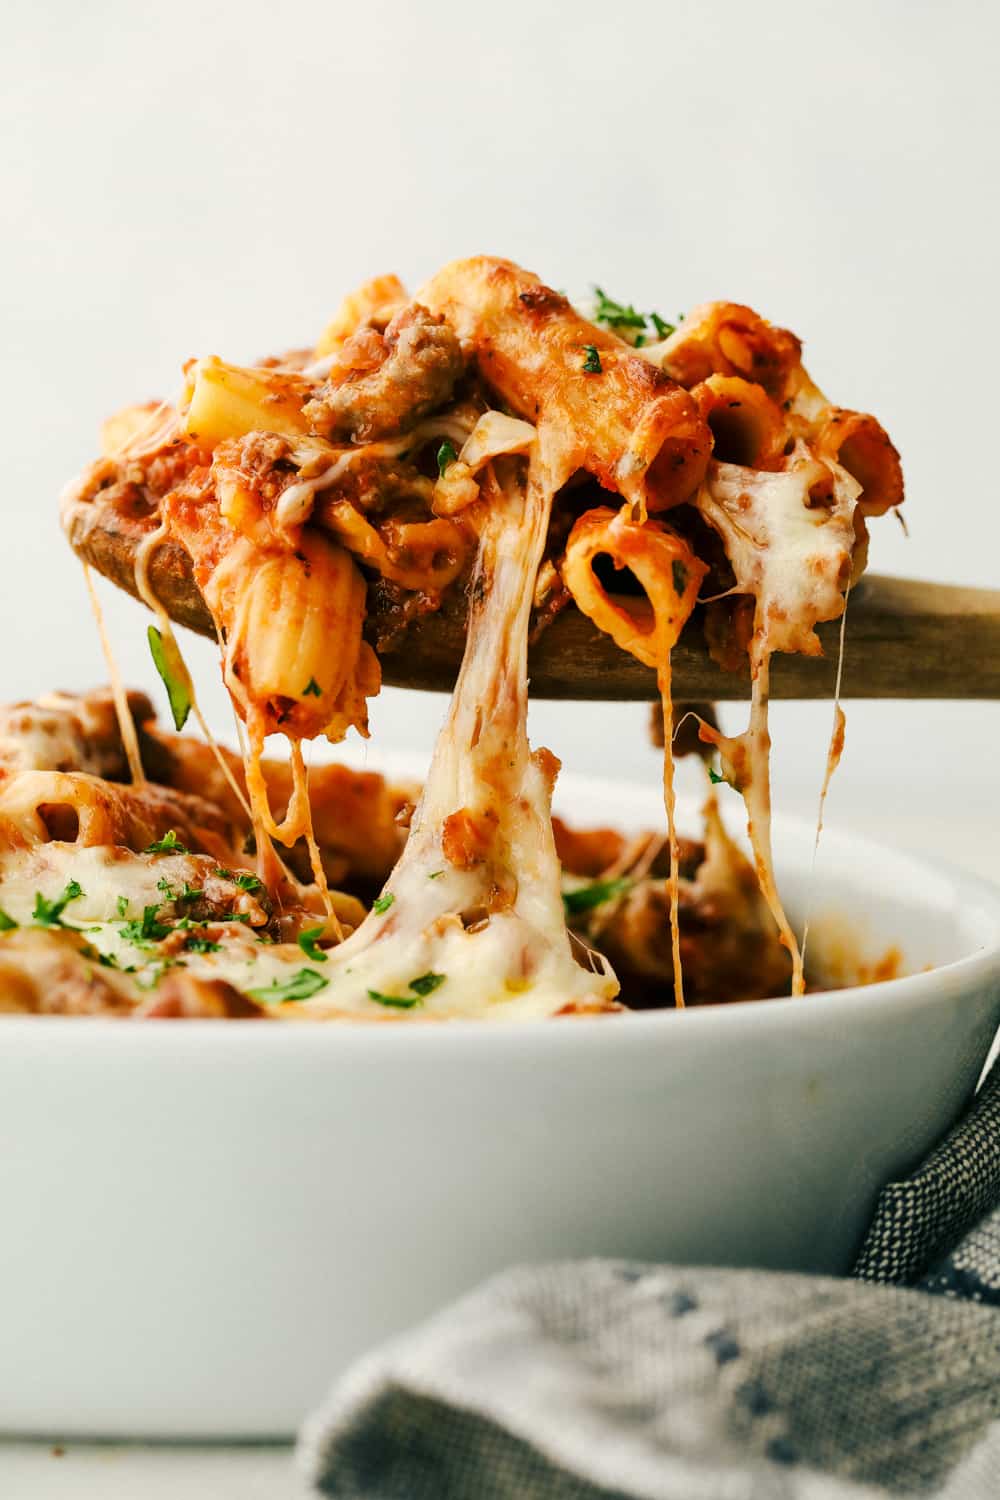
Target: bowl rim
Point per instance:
(856, 1003)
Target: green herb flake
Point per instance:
(715, 778)
(308, 942)
(191, 893)
(312, 689)
(435, 875)
(626, 321)
(301, 985)
(49, 913)
(446, 456)
(663, 328)
(592, 364)
(170, 664)
(163, 884)
(224, 874)
(426, 984)
(169, 844)
(7, 923)
(123, 906)
(680, 576)
(615, 314)
(248, 882)
(586, 897)
(145, 929)
(400, 1002)
(203, 945)
(382, 903)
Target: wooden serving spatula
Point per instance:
(905, 639)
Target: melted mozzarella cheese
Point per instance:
(795, 559)
(792, 556)
(492, 926)
(104, 872)
(51, 735)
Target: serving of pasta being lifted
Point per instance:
(485, 446)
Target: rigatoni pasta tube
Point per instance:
(291, 622)
(228, 401)
(74, 807)
(747, 427)
(597, 405)
(726, 338)
(646, 626)
(861, 445)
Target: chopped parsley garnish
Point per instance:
(312, 689)
(309, 945)
(715, 778)
(680, 575)
(424, 984)
(190, 892)
(382, 903)
(588, 896)
(401, 1002)
(170, 664)
(663, 328)
(122, 906)
(169, 844)
(592, 364)
(224, 874)
(435, 875)
(446, 455)
(626, 321)
(248, 882)
(616, 314)
(163, 884)
(145, 929)
(7, 923)
(203, 945)
(301, 985)
(49, 913)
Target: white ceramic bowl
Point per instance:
(204, 1222)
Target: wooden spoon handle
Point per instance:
(905, 639)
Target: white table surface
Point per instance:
(98, 1471)
(112, 1471)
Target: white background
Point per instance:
(191, 178)
(195, 178)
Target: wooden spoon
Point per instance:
(905, 639)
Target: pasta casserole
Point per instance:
(484, 445)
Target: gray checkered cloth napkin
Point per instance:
(597, 1380)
